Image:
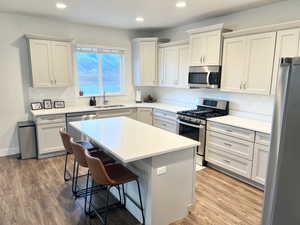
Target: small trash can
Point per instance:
(27, 139)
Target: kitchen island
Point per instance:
(164, 162)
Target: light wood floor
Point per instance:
(32, 192)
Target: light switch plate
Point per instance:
(161, 170)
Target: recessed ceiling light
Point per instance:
(61, 5)
(139, 19)
(181, 4)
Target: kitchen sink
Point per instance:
(108, 106)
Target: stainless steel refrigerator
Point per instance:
(282, 193)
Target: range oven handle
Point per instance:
(207, 79)
(191, 125)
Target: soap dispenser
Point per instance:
(93, 101)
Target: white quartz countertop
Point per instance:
(130, 140)
(74, 109)
(250, 124)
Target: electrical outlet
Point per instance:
(161, 170)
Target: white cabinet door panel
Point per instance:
(234, 61)
(148, 63)
(49, 139)
(171, 61)
(260, 163)
(183, 66)
(62, 63)
(213, 46)
(145, 115)
(40, 55)
(260, 63)
(286, 46)
(197, 49)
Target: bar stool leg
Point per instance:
(120, 198)
(73, 177)
(76, 180)
(142, 208)
(91, 195)
(106, 204)
(65, 171)
(124, 197)
(86, 192)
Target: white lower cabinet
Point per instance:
(165, 120)
(49, 140)
(145, 115)
(260, 163)
(230, 162)
(241, 151)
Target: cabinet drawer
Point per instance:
(262, 138)
(115, 113)
(164, 114)
(230, 145)
(245, 134)
(166, 125)
(232, 163)
(51, 119)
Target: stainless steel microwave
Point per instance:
(204, 76)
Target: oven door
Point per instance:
(195, 132)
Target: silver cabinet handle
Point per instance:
(229, 131)
(241, 85)
(227, 144)
(245, 85)
(227, 161)
(204, 59)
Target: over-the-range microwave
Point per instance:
(204, 76)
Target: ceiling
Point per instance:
(158, 14)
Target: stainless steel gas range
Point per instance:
(192, 123)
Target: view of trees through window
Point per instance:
(98, 72)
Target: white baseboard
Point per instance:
(8, 151)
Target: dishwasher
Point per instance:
(72, 117)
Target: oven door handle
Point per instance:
(191, 125)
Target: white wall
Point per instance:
(15, 89)
(253, 106)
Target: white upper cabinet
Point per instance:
(206, 46)
(286, 46)
(234, 63)
(40, 57)
(145, 61)
(51, 63)
(62, 63)
(248, 63)
(173, 65)
(183, 66)
(259, 66)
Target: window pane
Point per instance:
(111, 69)
(88, 71)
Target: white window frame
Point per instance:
(122, 75)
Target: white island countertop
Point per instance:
(250, 124)
(130, 140)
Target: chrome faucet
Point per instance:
(105, 102)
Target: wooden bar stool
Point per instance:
(66, 142)
(111, 175)
(80, 160)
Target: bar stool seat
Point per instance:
(105, 158)
(119, 174)
(87, 145)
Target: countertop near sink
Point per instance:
(250, 124)
(161, 106)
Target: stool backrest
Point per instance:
(98, 170)
(66, 140)
(78, 151)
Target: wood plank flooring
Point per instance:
(32, 192)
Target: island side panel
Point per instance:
(142, 168)
(173, 192)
